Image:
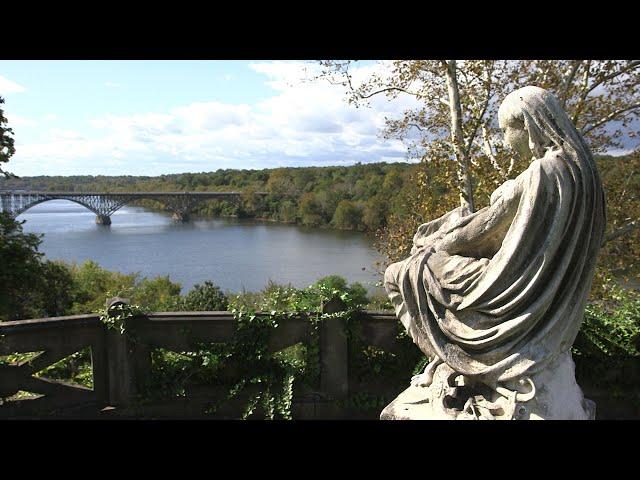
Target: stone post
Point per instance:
(128, 361)
(334, 353)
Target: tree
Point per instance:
(336, 282)
(453, 129)
(206, 297)
(375, 212)
(157, 293)
(251, 204)
(30, 287)
(281, 183)
(620, 254)
(57, 291)
(392, 181)
(310, 210)
(7, 148)
(94, 284)
(328, 201)
(19, 267)
(286, 211)
(347, 216)
(457, 105)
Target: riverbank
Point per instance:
(355, 198)
(238, 254)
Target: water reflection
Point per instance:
(235, 254)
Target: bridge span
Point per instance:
(104, 204)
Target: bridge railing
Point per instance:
(122, 363)
(104, 204)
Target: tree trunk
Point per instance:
(457, 137)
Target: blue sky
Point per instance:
(155, 117)
(158, 117)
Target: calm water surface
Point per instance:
(234, 254)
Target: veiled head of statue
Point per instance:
(533, 121)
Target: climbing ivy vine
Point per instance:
(114, 316)
(264, 379)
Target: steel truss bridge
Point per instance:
(104, 204)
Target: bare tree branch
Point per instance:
(609, 117)
(621, 231)
(587, 89)
(566, 84)
(478, 120)
(629, 66)
(388, 89)
(474, 131)
(585, 92)
(369, 95)
(488, 150)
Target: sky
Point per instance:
(160, 117)
(148, 117)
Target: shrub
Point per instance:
(205, 297)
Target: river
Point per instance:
(235, 254)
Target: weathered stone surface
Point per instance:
(496, 297)
(450, 396)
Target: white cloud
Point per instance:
(211, 115)
(14, 120)
(7, 86)
(63, 134)
(303, 123)
(112, 85)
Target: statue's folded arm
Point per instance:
(428, 233)
(482, 235)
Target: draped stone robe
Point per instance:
(500, 293)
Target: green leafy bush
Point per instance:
(30, 287)
(607, 348)
(205, 297)
(612, 328)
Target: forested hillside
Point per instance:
(358, 197)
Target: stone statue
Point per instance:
(495, 298)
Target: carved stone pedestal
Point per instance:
(412, 404)
(550, 395)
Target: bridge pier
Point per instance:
(180, 216)
(103, 219)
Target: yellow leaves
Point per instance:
(594, 92)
